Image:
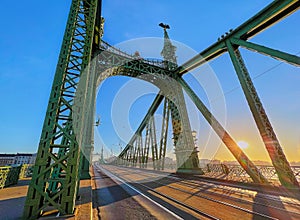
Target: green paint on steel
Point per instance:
(56, 173)
(279, 161)
(270, 15)
(158, 99)
(9, 175)
(282, 56)
(232, 146)
(58, 147)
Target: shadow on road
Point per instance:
(266, 206)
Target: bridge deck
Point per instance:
(188, 197)
(131, 193)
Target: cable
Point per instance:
(255, 77)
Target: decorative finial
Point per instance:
(164, 26)
(168, 51)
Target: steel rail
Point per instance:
(205, 197)
(215, 184)
(169, 198)
(217, 194)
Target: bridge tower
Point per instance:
(67, 136)
(60, 160)
(186, 154)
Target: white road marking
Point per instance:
(139, 192)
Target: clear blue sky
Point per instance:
(31, 35)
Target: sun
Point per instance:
(243, 144)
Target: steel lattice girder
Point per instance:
(236, 151)
(270, 15)
(230, 42)
(162, 78)
(280, 163)
(112, 64)
(276, 54)
(148, 124)
(158, 99)
(164, 134)
(74, 57)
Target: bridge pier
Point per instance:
(188, 162)
(186, 153)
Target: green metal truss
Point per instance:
(113, 64)
(231, 145)
(273, 13)
(58, 156)
(230, 42)
(159, 74)
(56, 173)
(280, 163)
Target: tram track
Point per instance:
(234, 193)
(217, 186)
(178, 184)
(199, 196)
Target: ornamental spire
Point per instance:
(168, 51)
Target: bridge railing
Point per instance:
(9, 175)
(106, 46)
(155, 62)
(237, 173)
(26, 171)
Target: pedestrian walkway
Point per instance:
(12, 200)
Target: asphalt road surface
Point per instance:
(131, 193)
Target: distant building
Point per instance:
(33, 158)
(23, 158)
(19, 158)
(7, 159)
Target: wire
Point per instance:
(255, 77)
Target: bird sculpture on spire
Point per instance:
(168, 51)
(164, 26)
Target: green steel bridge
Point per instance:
(85, 60)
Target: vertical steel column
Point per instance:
(142, 154)
(135, 154)
(146, 153)
(127, 159)
(153, 141)
(148, 142)
(88, 148)
(131, 155)
(182, 136)
(139, 155)
(74, 57)
(164, 134)
(280, 163)
(88, 135)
